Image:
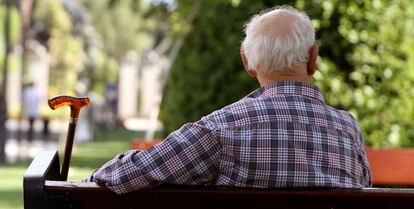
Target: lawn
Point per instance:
(86, 158)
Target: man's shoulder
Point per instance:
(346, 119)
(236, 114)
(342, 114)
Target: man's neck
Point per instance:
(298, 74)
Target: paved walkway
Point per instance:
(19, 148)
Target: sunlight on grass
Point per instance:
(11, 184)
(11, 199)
(78, 174)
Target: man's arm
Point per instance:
(188, 156)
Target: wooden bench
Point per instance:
(43, 189)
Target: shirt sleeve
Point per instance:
(187, 156)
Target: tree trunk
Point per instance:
(154, 112)
(3, 90)
(25, 8)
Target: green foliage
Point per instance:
(14, 36)
(366, 63)
(65, 49)
(90, 50)
(384, 57)
(15, 25)
(103, 69)
(120, 24)
(376, 82)
(117, 27)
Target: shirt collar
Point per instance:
(288, 87)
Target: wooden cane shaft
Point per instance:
(68, 150)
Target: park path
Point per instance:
(19, 148)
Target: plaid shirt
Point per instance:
(281, 135)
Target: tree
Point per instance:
(25, 8)
(3, 90)
(123, 28)
(65, 47)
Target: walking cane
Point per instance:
(75, 104)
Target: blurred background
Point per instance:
(149, 66)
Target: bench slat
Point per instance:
(85, 187)
(92, 195)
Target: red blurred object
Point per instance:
(392, 167)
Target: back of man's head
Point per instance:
(278, 39)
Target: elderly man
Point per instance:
(281, 135)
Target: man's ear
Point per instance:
(313, 56)
(250, 72)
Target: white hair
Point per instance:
(279, 52)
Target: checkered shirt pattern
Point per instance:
(281, 135)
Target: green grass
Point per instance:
(11, 184)
(86, 158)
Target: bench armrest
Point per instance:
(45, 166)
